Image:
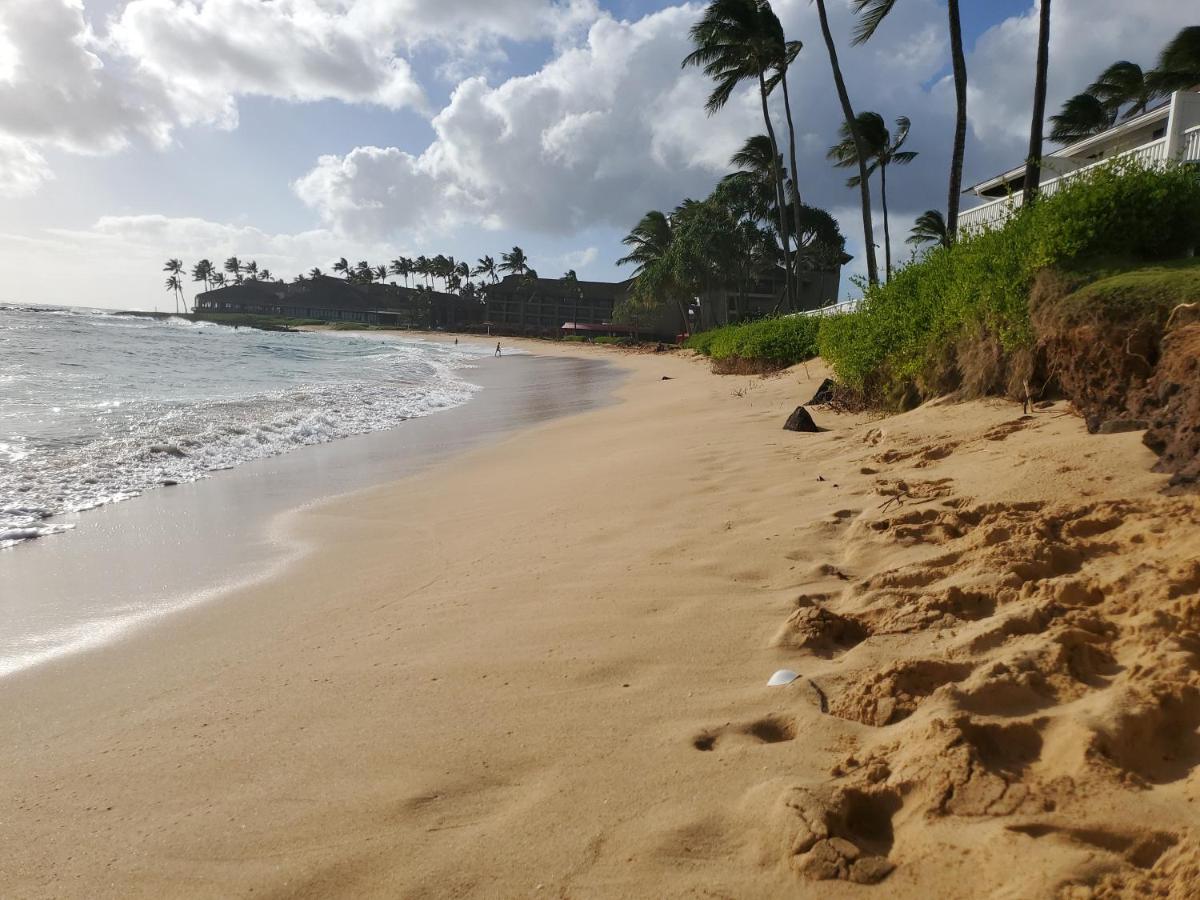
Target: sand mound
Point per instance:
(1038, 656)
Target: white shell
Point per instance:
(783, 676)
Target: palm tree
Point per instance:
(381, 274)
(264, 275)
(1082, 116)
(485, 265)
(571, 283)
(884, 150)
(864, 183)
(315, 273)
(930, 226)
(174, 286)
(233, 266)
(203, 271)
(1120, 84)
(651, 243)
(400, 267)
(1179, 63)
(218, 279)
(422, 267)
(251, 270)
(175, 268)
(872, 13)
(737, 40)
(514, 262)
(1033, 163)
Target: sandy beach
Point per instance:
(539, 669)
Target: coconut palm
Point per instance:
(264, 275)
(1082, 116)
(1123, 84)
(174, 285)
(736, 41)
(1179, 63)
(573, 288)
(514, 262)
(233, 266)
(871, 15)
(650, 239)
(315, 273)
(883, 148)
(755, 176)
(422, 266)
(929, 227)
(486, 266)
(1033, 162)
(343, 266)
(202, 271)
(864, 183)
(401, 267)
(218, 279)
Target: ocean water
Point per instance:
(97, 407)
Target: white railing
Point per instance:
(846, 306)
(989, 214)
(1191, 144)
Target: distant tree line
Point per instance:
(455, 277)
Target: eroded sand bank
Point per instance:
(540, 670)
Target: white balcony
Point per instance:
(1180, 142)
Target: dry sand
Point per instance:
(539, 670)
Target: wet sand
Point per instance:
(539, 669)
(128, 564)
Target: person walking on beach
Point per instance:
(497, 348)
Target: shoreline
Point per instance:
(145, 547)
(541, 670)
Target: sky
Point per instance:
(295, 132)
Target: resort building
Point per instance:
(765, 297)
(548, 307)
(1169, 132)
(336, 300)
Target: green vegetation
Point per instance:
(903, 336)
(1107, 248)
(763, 345)
(1146, 294)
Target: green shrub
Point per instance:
(903, 335)
(610, 339)
(766, 343)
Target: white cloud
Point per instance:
(22, 169)
(57, 91)
(159, 64)
(596, 136)
(208, 54)
(1085, 37)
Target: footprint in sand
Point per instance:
(768, 730)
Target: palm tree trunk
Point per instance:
(960, 120)
(887, 234)
(787, 106)
(784, 231)
(1033, 165)
(864, 187)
